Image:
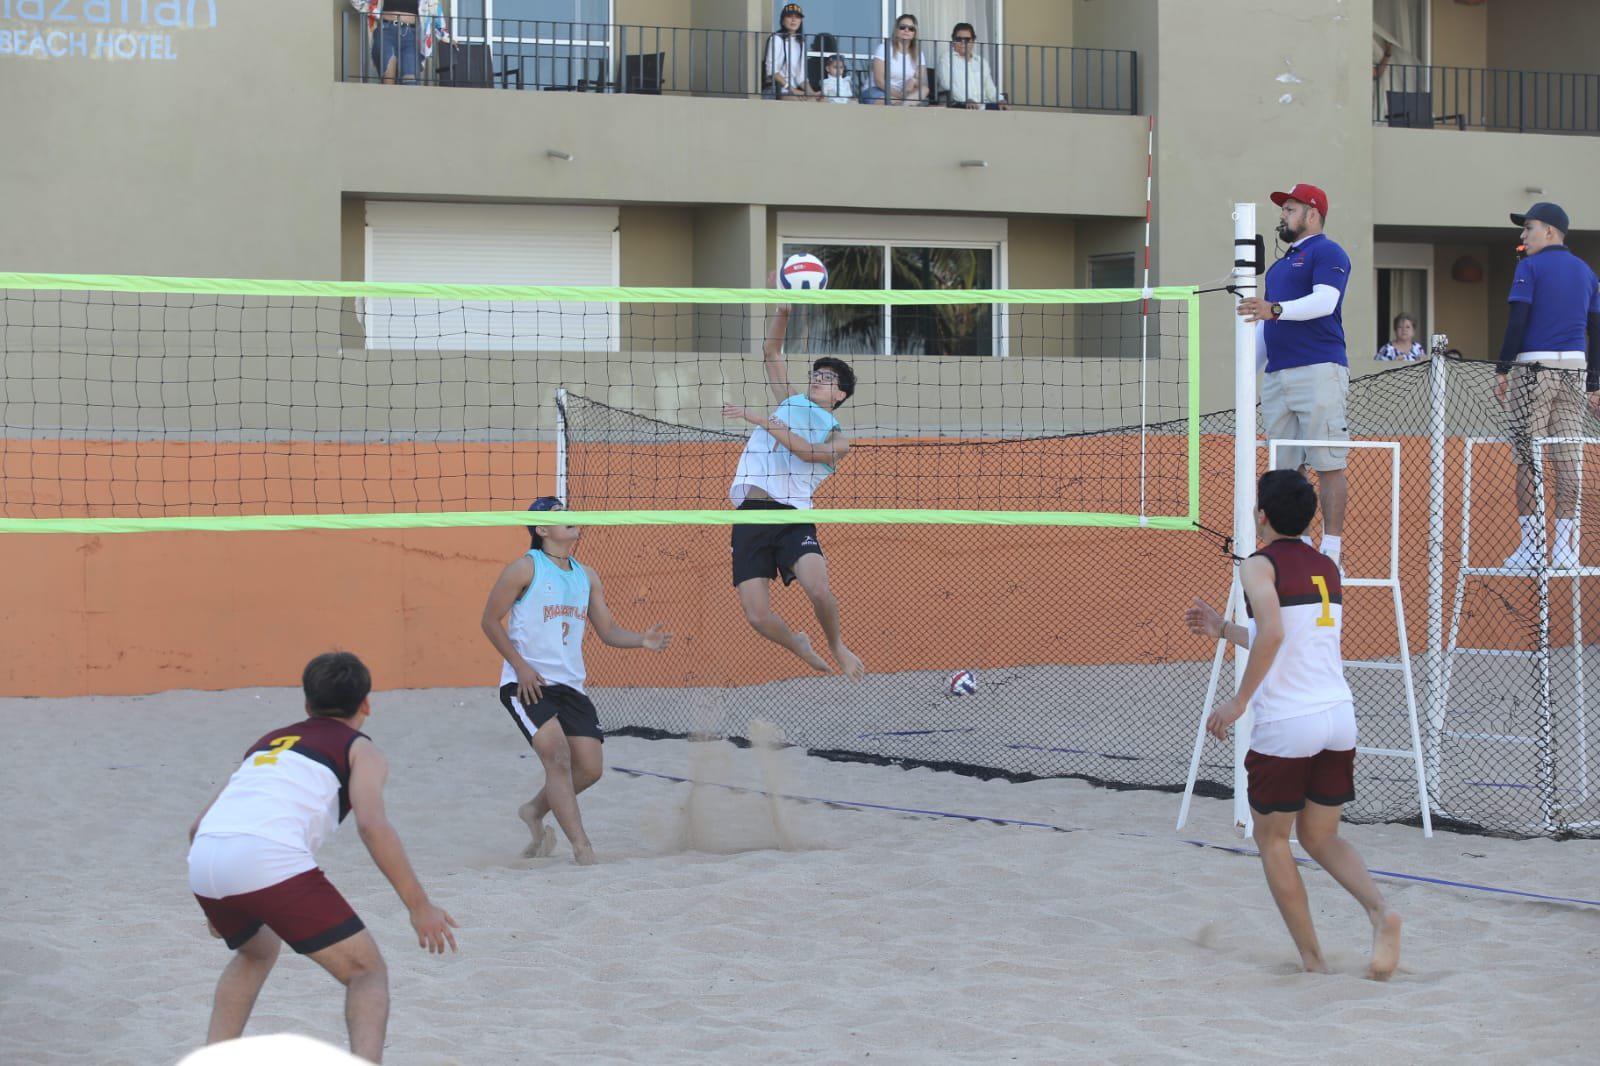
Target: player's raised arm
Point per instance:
(368, 771)
(656, 638)
(772, 354)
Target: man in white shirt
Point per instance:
(964, 73)
(791, 452)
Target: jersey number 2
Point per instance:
(279, 746)
(1326, 617)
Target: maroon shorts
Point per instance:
(1277, 784)
(305, 910)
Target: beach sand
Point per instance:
(722, 927)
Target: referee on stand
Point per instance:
(1546, 366)
(1301, 333)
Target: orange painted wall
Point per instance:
(139, 613)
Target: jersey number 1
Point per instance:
(1326, 617)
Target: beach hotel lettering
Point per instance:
(99, 29)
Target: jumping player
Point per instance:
(791, 452)
(1302, 746)
(535, 618)
(252, 862)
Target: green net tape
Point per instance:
(134, 283)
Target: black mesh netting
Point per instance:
(1084, 667)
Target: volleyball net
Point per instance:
(1026, 497)
(138, 404)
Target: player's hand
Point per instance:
(656, 638)
(1502, 385)
(1202, 620)
(529, 684)
(433, 925)
(1255, 309)
(1222, 719)
(733, 410)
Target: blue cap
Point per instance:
(546, 503)
(1549, 214)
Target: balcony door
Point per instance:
(562, 44)
(1405, 286)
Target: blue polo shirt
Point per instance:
(1314, 261)
(1562, 293)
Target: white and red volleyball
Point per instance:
(963, 683)
(803, 271)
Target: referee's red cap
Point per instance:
(1306, 194)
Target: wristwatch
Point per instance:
(1277, 311)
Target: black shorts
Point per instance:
(567, 705)
(770, 551)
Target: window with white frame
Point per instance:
(898, 253)
(490, 244)
(561, 44)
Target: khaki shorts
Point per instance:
(1307, 403)
(1545, 402)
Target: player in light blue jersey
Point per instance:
(792, 451)
(537, 614)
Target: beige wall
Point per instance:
(1048, 23)
(1460, 34)
(1555, 35)
(1502, 168)
(1461, 309)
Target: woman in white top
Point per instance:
(785, 65)
(899, 73)
(1405, 348)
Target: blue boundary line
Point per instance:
(1203, 844)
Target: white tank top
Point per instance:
(1307, 675)
(293, 787)
(769, 466)
(548, 620)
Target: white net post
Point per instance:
(561, 446)
(1437, 381)
(1244, 468)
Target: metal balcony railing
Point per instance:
(1472, 98)
(653, 60)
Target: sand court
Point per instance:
(724, 926)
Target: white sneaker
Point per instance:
(1526, 557)
(1565, 557)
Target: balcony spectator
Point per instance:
(1405, 348)
(899, 72)
(963, 74)
(785, 64)
(402, 33)
(837, 87)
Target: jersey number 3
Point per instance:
(1326, 617)
(279, 746)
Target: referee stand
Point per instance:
(1542, 574)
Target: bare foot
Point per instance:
(544, 838)
(850, 664)
(583, 856)
(1385, 946)
(803, 648)
(1313, 965)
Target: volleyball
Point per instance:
(804, 271)
(963, 683)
